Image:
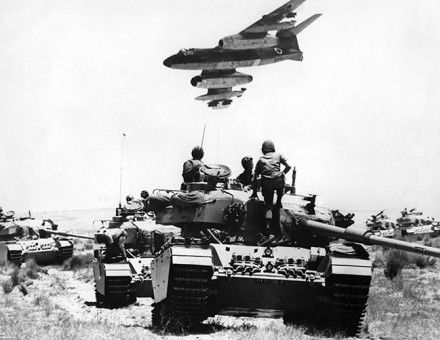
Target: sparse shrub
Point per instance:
(32, 269)
(379, 261)
(422, 261)
(7, 286)
(88, 245)
(16, 276)
(427, 241)
(435, 242)
(395, 261)
(78, 261)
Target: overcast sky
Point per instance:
(358, 117)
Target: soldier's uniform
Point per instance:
(115, 239)
(272, 179)
(191, 168)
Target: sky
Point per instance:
(358, 117)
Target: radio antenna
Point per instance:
(120, 170)
(203, 136)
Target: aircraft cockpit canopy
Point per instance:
(186, 51)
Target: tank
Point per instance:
(382, 225)
(119, 282)
(412, 225)
(317, 273)
(27, 237)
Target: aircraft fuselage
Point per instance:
(225, 59)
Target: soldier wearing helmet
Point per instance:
(246, 176)
(191, 168)
(272, 179)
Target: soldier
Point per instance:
(115, 242)
(191, 168)
(272, 179)
(246, 176)
(145, 200)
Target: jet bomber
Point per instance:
(253, 46)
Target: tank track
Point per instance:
(15, 257)
(66, 252)
(117, 292)
(187, 301)
(349, 301)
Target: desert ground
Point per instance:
(58, 302)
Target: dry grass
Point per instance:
(79, 261)
(18, 276)
(406, 307)
(432, 242)
(7, 286)
(82, 244)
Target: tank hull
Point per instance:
(194, 282)
(43, 251)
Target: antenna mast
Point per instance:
(203, 135)
(120, 170)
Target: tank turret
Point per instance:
(221, 266)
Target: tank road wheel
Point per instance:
(349, 300)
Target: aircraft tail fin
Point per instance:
(300, 27)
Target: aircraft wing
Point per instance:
(285, 11)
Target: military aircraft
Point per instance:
(253, 46)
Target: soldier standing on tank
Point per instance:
(191, 168)
(272, 179)
(246, 176)
(145, 198)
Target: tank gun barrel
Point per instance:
(60, 233)
(362, 235)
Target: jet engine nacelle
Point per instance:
(239, 42)
(213, 81)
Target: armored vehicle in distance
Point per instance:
(219, 266)
(381, 225)
(27, 237)
(412, 224)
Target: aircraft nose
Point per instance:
(168, 62)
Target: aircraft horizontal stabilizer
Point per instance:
(298, 28)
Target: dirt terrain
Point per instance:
(54, 302)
